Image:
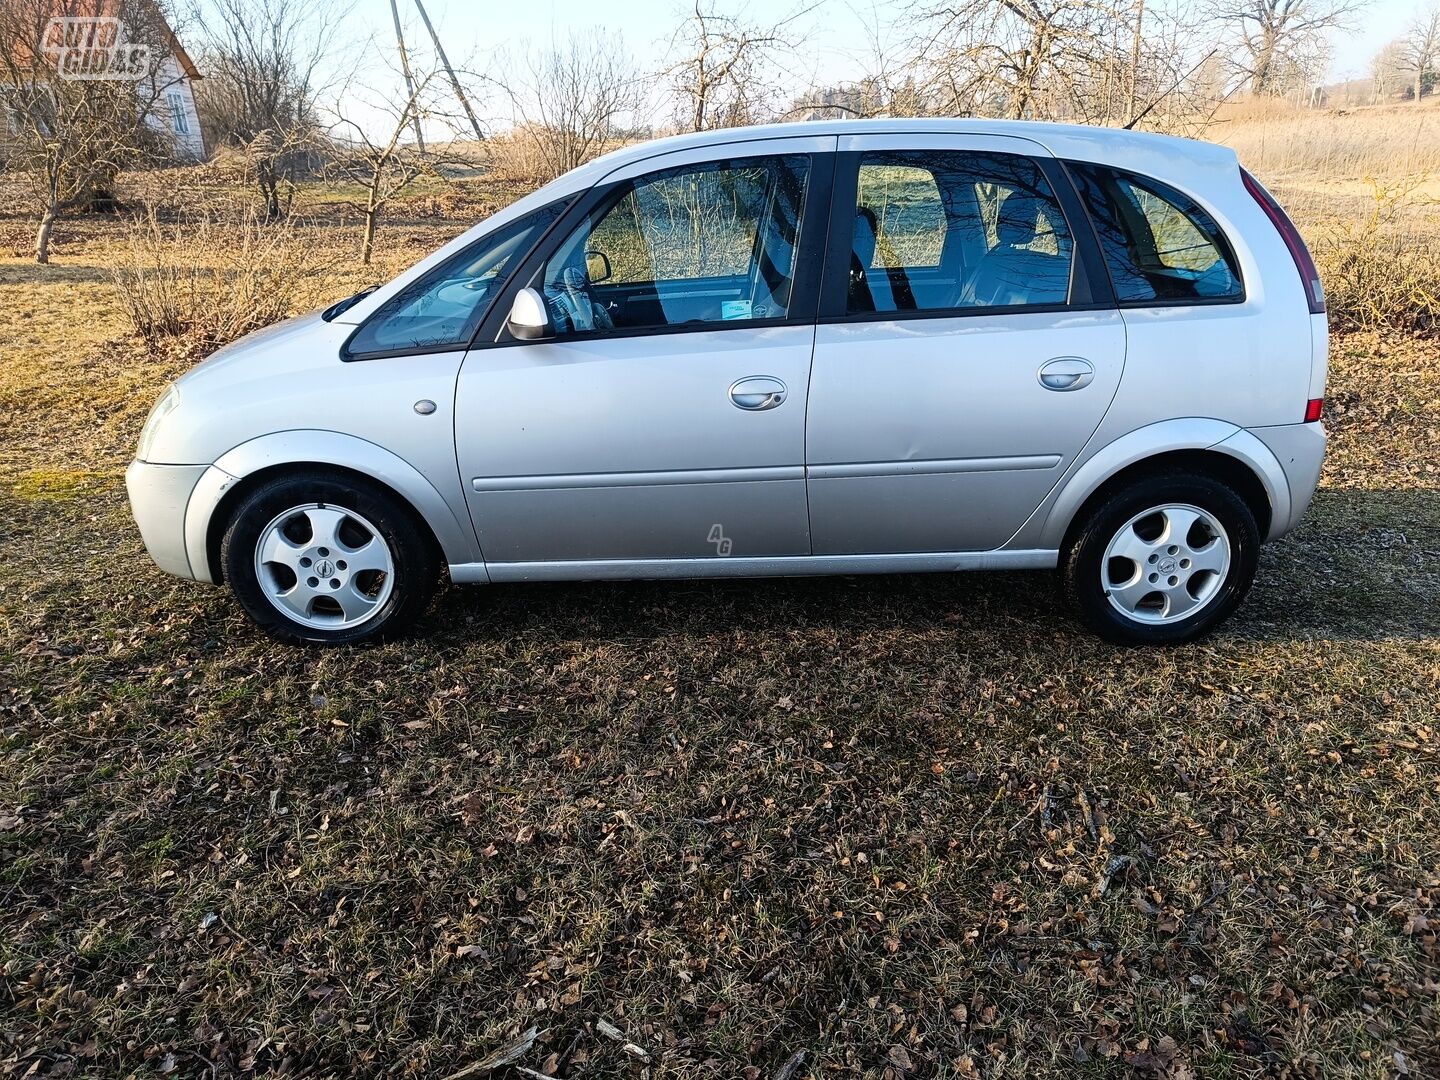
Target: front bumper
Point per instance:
(159, 495)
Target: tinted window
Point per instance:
(700, 244)
(941, 230)
(442, 309)
(1158, 244)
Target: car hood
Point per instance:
(299, 341)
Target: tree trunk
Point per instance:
(42, 235)
(1264, 60)
(367, 246)
(372, 220)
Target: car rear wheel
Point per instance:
(328, 560)
(1163, 560)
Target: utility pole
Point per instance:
(1135, 60)
(409, 78)
(445, 60)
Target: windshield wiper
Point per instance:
(345, 305)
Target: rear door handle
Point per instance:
(756, 393)
(1066, 373)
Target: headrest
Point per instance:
(866, 229)
(1018, 219)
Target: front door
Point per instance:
(967, 347)
(665, 418)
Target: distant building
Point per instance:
(174, 94)
(88, 35)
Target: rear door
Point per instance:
(968, 344)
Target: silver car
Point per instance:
(824, 348)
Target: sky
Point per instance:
(835, 29)
(837, 35)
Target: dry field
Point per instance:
(898, 826)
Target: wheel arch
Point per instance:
(1211, 447)
(240, 470)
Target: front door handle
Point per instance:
(1066, 373)
(756, 393)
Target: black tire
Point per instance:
(1080, 573)
(412, 552)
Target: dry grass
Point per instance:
(911, 826)
(1364, 188)
(1279, 142)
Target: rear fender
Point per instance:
(1190, 433)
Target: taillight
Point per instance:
(1291, 235)
(1313, 408)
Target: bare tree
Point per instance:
(375, 155)
(1023, 58)
(1420, 48)
(1176, 78)
(259, 94)
(887, 86)
(1388, 72)
(1276, 39)
(573, 100)
(726, 65)
(78, 99)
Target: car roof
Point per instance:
(1118, 146)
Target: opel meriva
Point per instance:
(824, 348)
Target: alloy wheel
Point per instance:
(1166, 563)
(324, 566)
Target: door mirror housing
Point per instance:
(597, 267)
(529, 321)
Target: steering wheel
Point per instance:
(575, 299)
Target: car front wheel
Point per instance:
(1162, 561)
(328, 560)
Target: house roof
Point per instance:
(112, 9)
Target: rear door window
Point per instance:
(943, 230)
(1159, 245)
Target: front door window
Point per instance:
(700, 245)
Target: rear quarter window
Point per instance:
(1159, 245)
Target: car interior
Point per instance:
(1022, 258)
(642, 261)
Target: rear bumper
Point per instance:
(1300, 450)
(159, 495)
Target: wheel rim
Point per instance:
(324, 567)
(1165, 564)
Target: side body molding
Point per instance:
(454, 533)
(1189, 433)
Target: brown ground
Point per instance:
(915, 826)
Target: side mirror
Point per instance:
(529, 321)
(597, 267)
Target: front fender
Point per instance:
(1189, 433)
(322, 448)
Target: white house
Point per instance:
(174, 95)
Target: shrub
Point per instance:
(205, 282)
(1381, 268)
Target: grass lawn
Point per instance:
(909, 826)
